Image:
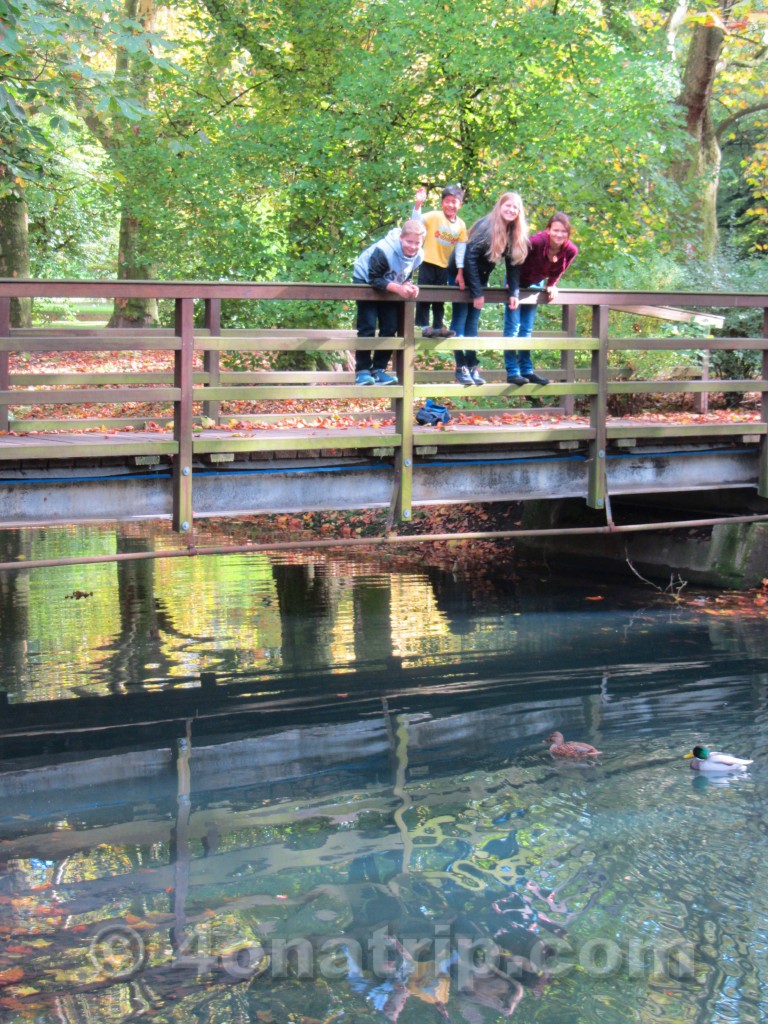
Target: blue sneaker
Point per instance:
(463, 376)
(364, 377)
(382, 377)
(475, 375)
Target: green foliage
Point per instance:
(73, 219)
(277, 145)
(54, 68)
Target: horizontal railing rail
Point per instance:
(187, 395)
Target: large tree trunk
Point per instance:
(702, 168)
(136, 312)
(14, 250)
(133, 69)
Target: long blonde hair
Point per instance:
(501, 238)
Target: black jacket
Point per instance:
(478, 266)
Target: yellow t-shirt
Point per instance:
(442, 236)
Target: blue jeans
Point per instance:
(518, 323)
(465, 320)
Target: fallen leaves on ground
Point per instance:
(298, 413)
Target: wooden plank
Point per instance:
(690, 344)
(89, 446)
(402, 487)
(762, 472)
(272, 377)
(596, 485)
(80, 330)
(509, 435)
(567, 356)
(293, 440)
(211, 359)
(228, 377)
(182, 418)
(289, 333)
(498, 343)
(60, 379)
(276, 342)
(5, 379)
(112, 343)
(669, 313)
(683, 430)
(22, 287)
(89, 396)
(111, 423)
(503, 390)
(666, 387)
(254, 394)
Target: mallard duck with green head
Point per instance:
(704, 760)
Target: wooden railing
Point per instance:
(197, 385)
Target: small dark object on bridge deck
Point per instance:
(430, 414)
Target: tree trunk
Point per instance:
(133, 69)
(136, 312)
(702, 168)
(14, 250)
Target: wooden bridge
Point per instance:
(200, 458)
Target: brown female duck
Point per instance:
(560, 748)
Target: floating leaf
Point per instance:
(12, 975)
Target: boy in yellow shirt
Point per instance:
(445, 232)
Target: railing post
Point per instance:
(701, 398)
(402, 487)
(182, 417)
(568, 356)
(598, 410)
(211, 358)
(762, 471)
(5, 360)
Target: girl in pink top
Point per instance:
(550, 253)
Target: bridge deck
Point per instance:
(542, 430)
(193, 454)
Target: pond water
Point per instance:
(313, 788)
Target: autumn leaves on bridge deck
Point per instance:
(187, 399)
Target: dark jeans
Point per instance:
(368, 313)
(466, 357)
(431, 273)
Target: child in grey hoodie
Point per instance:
(388, 266)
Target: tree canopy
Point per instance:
(274, 141)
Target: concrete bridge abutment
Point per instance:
(726, 555)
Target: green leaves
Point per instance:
(277, 140)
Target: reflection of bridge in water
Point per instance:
(141, 839)
(192, 452)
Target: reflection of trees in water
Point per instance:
(306, 614)
(142, 623)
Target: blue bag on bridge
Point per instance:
(430, 414)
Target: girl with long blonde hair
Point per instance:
(500, 235)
